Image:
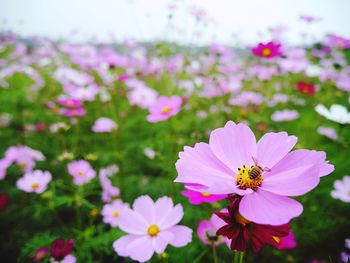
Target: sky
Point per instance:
(225, 21)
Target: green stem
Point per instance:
(238, 258)
(200, 256)
(215, 256)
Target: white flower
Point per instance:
(337, 113)
(342, 190)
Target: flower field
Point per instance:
(165, 153)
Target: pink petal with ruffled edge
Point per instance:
(234, 145)
(267, 208)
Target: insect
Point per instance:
(255, 172)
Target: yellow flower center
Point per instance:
(205, 194)
(153, 230)
(249, 177)
(166, 110)
(116, 214)
(80, 173)
(340, 44)
(349, 193)
(266, 52)
(23, 165)
(241, 219)
(35, 186)
(94, 212)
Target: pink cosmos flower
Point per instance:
(4, 164)
(328, 132)
(206, 231)
(284, 115)
(74, 112)
(104, 125)
(34, 182)
(109, 192)
(287, 242)
(342, 189)
(67, 259)
(198, 198)
(81, 171)
(70, 103)
(23, 156)
(111, 212)
(164, 108)
(268, 50)
(151, 227)
(339, 42)
(265, 173)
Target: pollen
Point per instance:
(80, 173)
(116, 214)
(35, 186)
(166, 110)
(241, 219)
(205, 194)
(23, 165)
(277, 239)
(244, 181)
(153, 230)
(266, 52)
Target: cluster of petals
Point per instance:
(164, 108)
(34, 182)
(286, 173)
(151, 227)
(81, 171)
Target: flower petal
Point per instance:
(182, 235)
(267, 208)
(132, 222)
(171, 218)
(272, 147)
(121, 244)
(292, 182)
(163, 208)
(199, 165)
(234, 145)
(141, 249)
(145, 207)
(161, 241)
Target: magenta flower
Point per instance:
(164, 108)
(151, 227)
(70, 103)
(265, 173)
(104, 125)
(268, 50)
(342, 189)
(287, 242)
(81, 171)
(40, 254)
(34, 182)
(72, 112)
(206, 231)
(111, 212)
(198, 198)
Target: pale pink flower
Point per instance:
(104, 125)
(109, 192)
(111, 212)
(342, 189)
(81, 171)
(151, 227)
(23, 156)
(164, 108)
(34, 182)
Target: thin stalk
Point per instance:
(215, 256)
